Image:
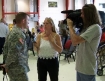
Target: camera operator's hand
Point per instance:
(69, 23)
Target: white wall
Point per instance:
(0, 10)
(45, 11)
(97, 4)
(54, 13)
(79, 4)
(71, 5)
(24, 6)
(9, 7)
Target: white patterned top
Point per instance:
(46, 50)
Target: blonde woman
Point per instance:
(48, 45)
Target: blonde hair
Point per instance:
(50, 20)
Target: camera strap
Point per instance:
(4, 77)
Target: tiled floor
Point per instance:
(66, 71)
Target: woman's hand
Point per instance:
(51, 38)
(47, 33)
(4, 65)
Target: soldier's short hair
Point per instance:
(20, 16)
(14, 21)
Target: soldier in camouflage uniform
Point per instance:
(15, 51)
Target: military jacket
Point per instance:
(15, 53)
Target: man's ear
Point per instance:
(23, 20)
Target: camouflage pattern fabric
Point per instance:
(19, 77)
(15, 53)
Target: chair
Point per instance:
(68, 53)
(65, 46)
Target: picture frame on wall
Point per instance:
(52, 4)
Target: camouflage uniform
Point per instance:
(16, 55)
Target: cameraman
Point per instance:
(88, 41)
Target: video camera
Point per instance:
(75, 16)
